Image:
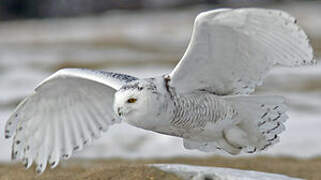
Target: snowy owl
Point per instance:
(205, 100)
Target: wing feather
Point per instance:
(233, 50)
(66, 111)
(55, 146)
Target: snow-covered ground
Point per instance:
(145, 44)
(189, 172)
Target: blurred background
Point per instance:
(142, 38)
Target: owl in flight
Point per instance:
(205, 100)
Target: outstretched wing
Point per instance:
(231, 51)
(66, 111)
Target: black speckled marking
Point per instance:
(265, 146)
(123, 77)
(137, 85)
(167, 79)
(253, 151)
(278, 125)
(260, 124)
(212, 92)
(278, 117)
(264, 115)
(272, 139)
(76, 148)
(131, 86)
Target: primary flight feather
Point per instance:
(205, 100)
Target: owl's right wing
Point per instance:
(66, 111)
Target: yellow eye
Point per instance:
(131, 100)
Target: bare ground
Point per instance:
(135, 169)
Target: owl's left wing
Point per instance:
(231, 51)
(65, 112)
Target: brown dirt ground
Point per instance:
(113, 169)
(92, 171)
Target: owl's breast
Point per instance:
(194, 111)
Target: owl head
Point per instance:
(138, 101)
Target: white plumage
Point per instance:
(233, 50)
(204, 100)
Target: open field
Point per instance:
(126, 169)
(125, 42)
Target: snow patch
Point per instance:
(215, 173)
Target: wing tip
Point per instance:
(7, 133)
(12, 122)
(10, 126)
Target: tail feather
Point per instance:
(261, 118)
